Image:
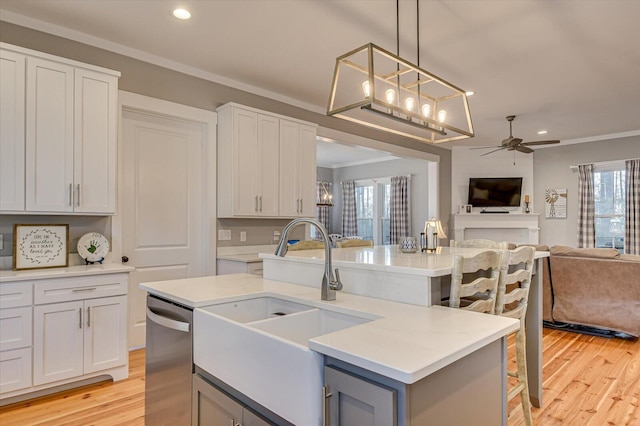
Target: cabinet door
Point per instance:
(290, 203)
(246, 162)
(12, 145)
(105, 336)
(57, 342)
(15, 369)
(49, 136)
(15, 328)
(94, 139)
(251, 419)
(210, 407)
(355, 400)
(267, 176)
(307, 171)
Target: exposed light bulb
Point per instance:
(390, 94)
(470, 93)
(442, 115)
(426, 110)
(182, 14)
(366, 88)
(408, 104)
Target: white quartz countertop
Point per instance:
(71, 271)
(387, 258)
(241, 257)
(406, 344)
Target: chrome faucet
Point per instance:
(329, 283)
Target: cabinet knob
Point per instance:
(125, 259)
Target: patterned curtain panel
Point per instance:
(399, 209)
(586, 207)
(349, 219)
(632, 217)
(322, 212)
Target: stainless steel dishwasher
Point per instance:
(169, 363)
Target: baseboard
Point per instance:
(591, 331)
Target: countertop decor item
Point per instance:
(93, 247)
(40, 246)
(408, 245)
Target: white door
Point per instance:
(166, 201)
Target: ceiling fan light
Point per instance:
(542, 132)
(182, 14)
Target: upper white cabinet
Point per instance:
(297, 169)
(12, 84)
(69, 135)
(266, 164)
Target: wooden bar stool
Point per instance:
(479, 292)
(513, 292)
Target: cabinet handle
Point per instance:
(301, 205)
(70, 194)
(297, 205)
(80, 319)
(78, 290)
(256, 201)
(89, 316)
(325, 406)
(78, 200)
(261, 204)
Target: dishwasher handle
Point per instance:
(168, 322)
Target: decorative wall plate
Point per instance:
(93, 247)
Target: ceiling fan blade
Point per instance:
(485, 147)
(499, 149)
(541, 142)
(523, 149)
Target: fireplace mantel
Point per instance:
(519, 228)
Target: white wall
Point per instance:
(466, 163)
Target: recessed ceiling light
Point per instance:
(469, 93)
(182, 14)
(542, 132)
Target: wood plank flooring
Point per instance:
(588, 380)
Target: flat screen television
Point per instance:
(495, 192)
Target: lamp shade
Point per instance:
(434, 223)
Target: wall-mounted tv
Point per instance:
(495, 192)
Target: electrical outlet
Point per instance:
(276, 235)
(243, 235)
(224, 234)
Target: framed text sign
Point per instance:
(40, 246)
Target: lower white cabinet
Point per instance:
(76, 338)
(212, 407)
(55, 331)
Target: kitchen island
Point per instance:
(432, 359)
(419, 278)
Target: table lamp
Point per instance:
(433, 230)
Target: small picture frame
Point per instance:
(465, 208)
(40, 246)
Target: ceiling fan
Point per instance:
(515, 144)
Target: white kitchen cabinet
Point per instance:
(15, 336)
(12, 85)
(247, 164)
(297, 169)
(65, 159)
(81, 337)
(63, 328)
(266, 164)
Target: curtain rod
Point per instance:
(603, 163)
(375, 178)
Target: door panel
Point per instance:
(163, 203)
(105, 339)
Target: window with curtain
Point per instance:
(609, 188)
(372, 210)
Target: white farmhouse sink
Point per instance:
(267, 357)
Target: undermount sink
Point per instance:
(259, 346)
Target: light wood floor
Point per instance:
(587, 381)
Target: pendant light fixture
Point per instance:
(374, 87)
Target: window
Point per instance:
(372, 210)
(609, 194)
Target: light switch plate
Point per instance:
(224, 234)
(243, 235)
